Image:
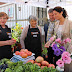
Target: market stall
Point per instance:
(19, 62)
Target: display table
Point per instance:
(17, 58)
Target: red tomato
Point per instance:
(29, 53)
(25, 50)
(32, 61)
(43, 67)
(38, 64)
(44, 63)
(22, 50)
(17, 52)
(21, 53)
(24, 55)
(51, 65)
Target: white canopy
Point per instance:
(40, 3)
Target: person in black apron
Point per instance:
(5, 38)
(32, 41)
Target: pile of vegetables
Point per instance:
(41, 62)
(24, 53)
(20, 67)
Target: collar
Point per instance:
(5, 26)
(52, 21)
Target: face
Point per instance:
(57, 15)
(3, 20)
(33, 23)
(51, 16)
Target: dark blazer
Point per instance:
(45, 30)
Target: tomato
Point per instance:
(44, 63)
(22, 50)
(38, 64)
(43, 67)
(25, 50)
(32, 61)
(21, 53)
(29, 53)
(24, 55)
(39, 59)
(17, 52)
(51, 65)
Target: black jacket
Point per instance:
(45, 30)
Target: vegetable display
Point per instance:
(20, 67)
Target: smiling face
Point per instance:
(33, 23)
(3, 20)
(51, 16)
(57, 15)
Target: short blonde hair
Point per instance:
(2, 14)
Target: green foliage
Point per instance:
(44, 52)
(8, 70)
(19, 69)
(15, 66)
(11, 65)
(28, 67)
(46, 69)
(2, 61)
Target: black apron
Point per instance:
(5, 51)
(33, 41)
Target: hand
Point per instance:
(13, 40)
(47, 44)
(65, 34)
(10, 42)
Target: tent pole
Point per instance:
(47, 12)
(15, 13)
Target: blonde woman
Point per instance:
(5, 37)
